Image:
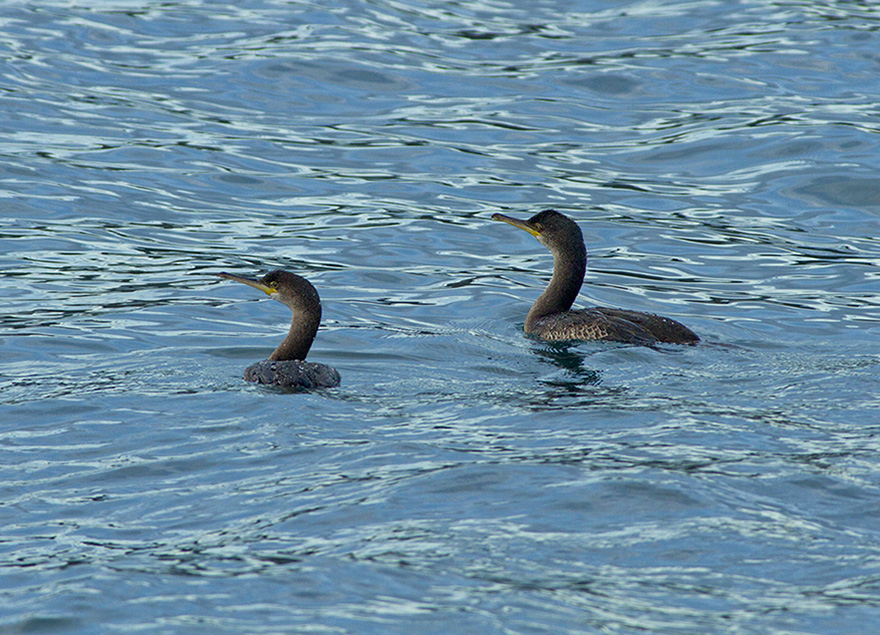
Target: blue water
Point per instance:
(722, 159)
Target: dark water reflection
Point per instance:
(721, 162)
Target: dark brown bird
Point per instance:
(286, 365)
(551, 317)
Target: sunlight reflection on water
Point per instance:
(463, 477)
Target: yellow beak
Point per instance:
(256, 284)
(521, 224)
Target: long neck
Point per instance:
(300, 336)
(569, 267)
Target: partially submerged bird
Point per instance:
(286, 366)
(550, 318)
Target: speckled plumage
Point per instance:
(616, 325)
(292, 374)
(286, 366)
(551, 317)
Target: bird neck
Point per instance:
(569, 267)
(299, 338)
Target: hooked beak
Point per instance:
(521, 224)
(256, 284)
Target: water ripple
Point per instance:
(722, 166)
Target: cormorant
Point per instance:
(550, 318)
(286, 366)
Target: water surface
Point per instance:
(721, 159)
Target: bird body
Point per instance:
(286, 365)
(551, 317)
(617, 325)
(292, 372)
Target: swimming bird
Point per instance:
(551, 317)
(286, 366)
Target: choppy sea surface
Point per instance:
(722, 159)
